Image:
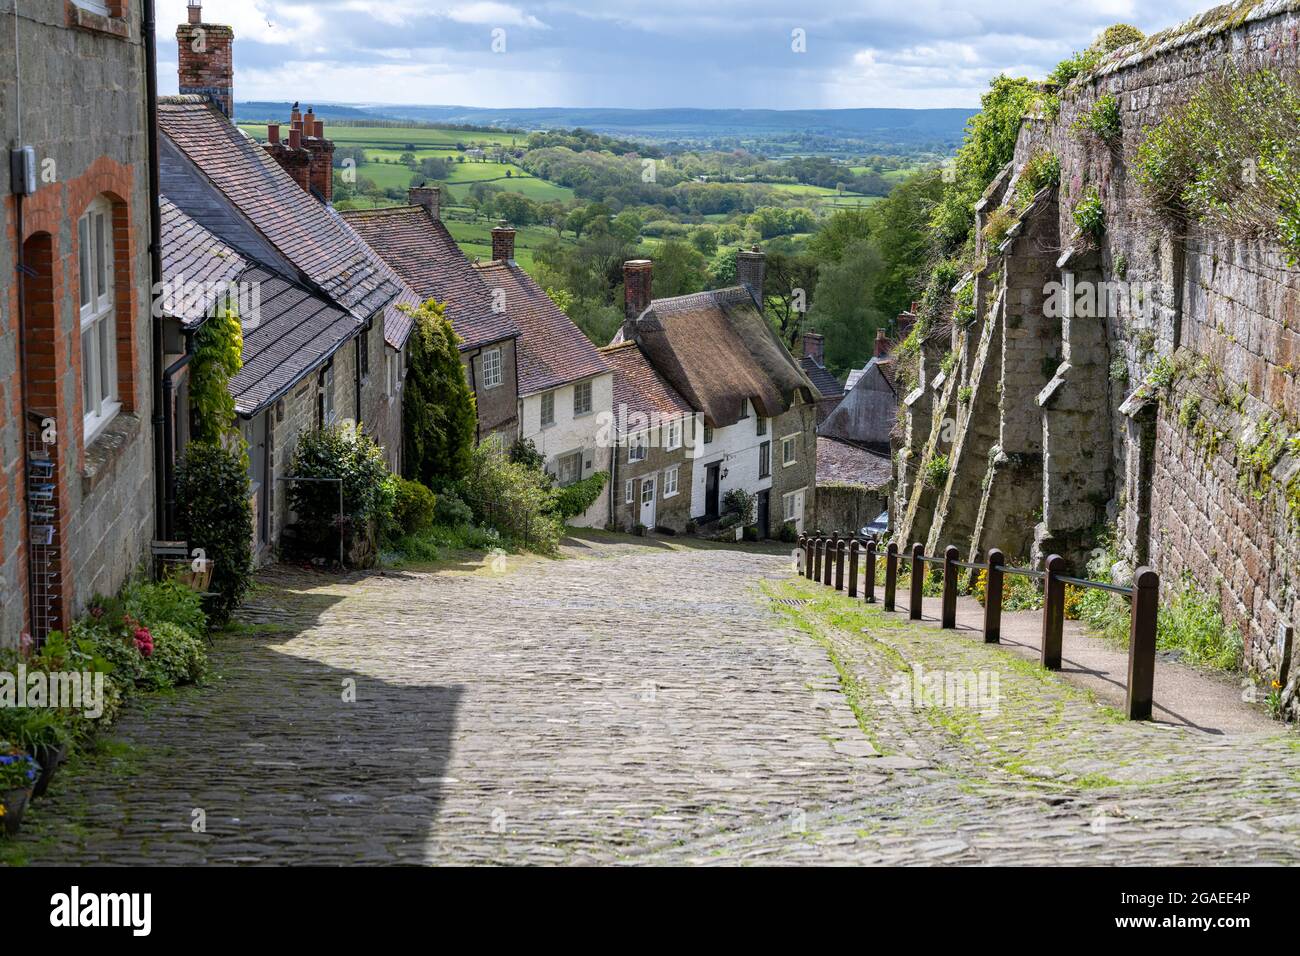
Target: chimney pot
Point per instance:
(638, 276)
(195, 12)
(430, 197)
(295, 137)
(503, 242)
(882, 344)
(273, 134)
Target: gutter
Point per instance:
(162, 413)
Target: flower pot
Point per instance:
(14, 803)
(50, 758)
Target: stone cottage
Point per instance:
(566, 388)
(757, 409)
(78, 501)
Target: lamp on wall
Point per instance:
(724, 473)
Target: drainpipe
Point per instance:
(169, 434)
(161, 412)
(613, 483)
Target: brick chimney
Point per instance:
(430, 197)
(503, 242)
(207, 65)
(638, 275)
(814, 346)
(882, 343)
(750, 269)
(321, 168)
(294, 156)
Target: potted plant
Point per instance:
(17, 775)
(42, 732)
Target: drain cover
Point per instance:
(790, 602)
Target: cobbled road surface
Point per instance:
(638, 702)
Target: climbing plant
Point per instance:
(218, 357)
(438, 416)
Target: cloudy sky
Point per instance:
(650, 53)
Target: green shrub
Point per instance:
(1102, 120)
(438, 411)
(369, 491)
(451, 510)
(167, 602)
(218, 357)
(514, 499)
(936, 471)
(788, 533)
(214, 514)
(741, 503)
(414, 506)
(572, 500)
(1041, 170)
(177, 658)
(438, 541)
(997, 226)
(964, 394)
(1074, 66)
(1192, 622)
(1118, 35)
(1090, 214)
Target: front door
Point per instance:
(711, 490)
(763, 503)
(648, 502)
(255, 433)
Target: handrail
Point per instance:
(1144, 594)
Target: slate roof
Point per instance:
(848, 463)
(196, 264)
(397, 321)
(867, 413)
(638, 388)
(825, 382)
(298, 226)
(717, 350)
(293, 333)
(420, 249)
(553, 351)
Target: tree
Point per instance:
(838, 232)
(788, 284)
(438, 414)
(679, 269)
(843, 309)
(901, 234)
(705, 240)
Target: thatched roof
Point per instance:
(717, 350)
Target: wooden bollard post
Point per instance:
(949, 616)
(891, 574)
(817, 559)
(1142, 644)
(869, 591)
(840, 548)
(828, 569)
(854, 547)
(993, 598)
(918, 582)
(1053, 613)
(807, 555)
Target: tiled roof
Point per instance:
(552, 350)
(826, 383)
(638, 388)
(293, 333)
(718, 350)
(844, 462)
(867, 413)
(298, 226)
(397, 321)
(196, 265)
(423, 253)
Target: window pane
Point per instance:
(102, 253)
(107, 352)
(83, 260)
(88, 369)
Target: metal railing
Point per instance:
(824, 558)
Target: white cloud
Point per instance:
(488, 13)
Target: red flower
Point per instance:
(144, 641)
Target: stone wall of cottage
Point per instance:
(1089, 438)
(498, 410)
(381, 406)
(672, 512)
(82, 108)
(799, 420)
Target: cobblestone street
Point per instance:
(640, 701)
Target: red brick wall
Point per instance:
(210, 69)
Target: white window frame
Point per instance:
(647, 485)
(787, 505)
(673, 439)
(559, 468)
(492, 372)
(670, 481)
(94, 6)
(582, 388)
(547, 402)
(636, 449)
(793, 457)
(98, 314)
(629, 492)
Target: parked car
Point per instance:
(877, 527)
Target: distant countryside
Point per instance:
(687, 196)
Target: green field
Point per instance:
(388, 137)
